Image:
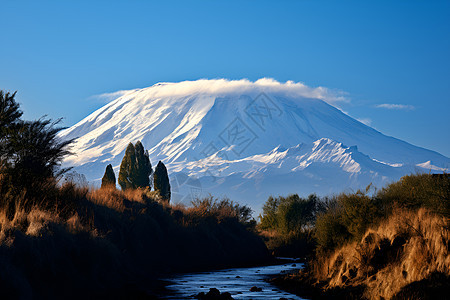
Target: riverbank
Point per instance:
(436, 286)
(386, 245)
(234, 283)
(305, 286)
(406, 257)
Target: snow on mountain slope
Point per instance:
(245, 139)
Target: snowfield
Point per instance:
(246, 140)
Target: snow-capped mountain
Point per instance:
(246, 140)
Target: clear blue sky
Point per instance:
(58, 54)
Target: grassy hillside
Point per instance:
(109, 242)
(394, 244)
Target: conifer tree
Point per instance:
(143, 166)
(127, 169)
(161, 181)
(109, 179)
(135, 168)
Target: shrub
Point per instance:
(268, 219)
(289, 214)
(295, 213)
(416, 191)
(287, 224)
(348, 216)
(345, 217)
(358, 212)
(330, 230)
(221, 209)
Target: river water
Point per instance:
(235, 281)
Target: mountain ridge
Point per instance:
(227, 129)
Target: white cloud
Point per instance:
(395, 106)
(222, 87)
(107, 97)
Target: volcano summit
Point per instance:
(246, 140)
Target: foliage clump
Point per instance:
(289, 214)
(30, 155)
(431, 191)
(288, 224)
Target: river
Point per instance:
(237, 282)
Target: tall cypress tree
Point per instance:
(143, 166)
(109, 179)
(161, 181)
(128, 169)
(135, 168)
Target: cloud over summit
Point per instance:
(222, 87)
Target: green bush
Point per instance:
(431, 191)
(295, 213)
(289, 214)
(358, 212)
(347, 217)
(268, 219)
(330, 230)
(288, 223)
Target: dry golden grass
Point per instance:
(31, 223)
(94, 241)
(408, 247)
(268, 233)
(113, 198)
(35, 220)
